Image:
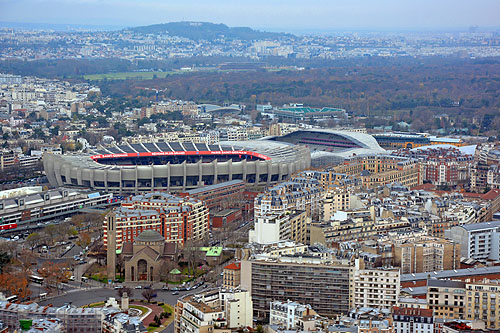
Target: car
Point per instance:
(138, 287)
(165, 288)
(175, 292)
(175, 289)
(72, 278)
(147, 287)
(118, 286)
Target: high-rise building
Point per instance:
(480, 241)
(318, 281)
(374, 288)
(427, 254)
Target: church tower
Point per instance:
(111, 245)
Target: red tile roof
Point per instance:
(491, 195)
(235, 266)
(412, 312)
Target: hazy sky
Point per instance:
(272, 14)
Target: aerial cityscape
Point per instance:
(326, 167)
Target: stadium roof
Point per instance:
(303, 110)
(367, 145)
(279, 152)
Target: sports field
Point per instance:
(127, 75)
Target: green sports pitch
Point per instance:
(128, 75)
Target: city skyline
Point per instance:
(315, 16)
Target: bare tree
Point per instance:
(148, 294)
(192, 255)
(120, 265)
(129, 291)
(33, 240)
(165, 270)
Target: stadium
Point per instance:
(331, 147)
(176, 166)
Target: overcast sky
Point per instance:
(271, 14)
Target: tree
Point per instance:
(165, 270)
(25, 259)
(191, 254)
(120, 265)
(15, 283)
(9, 247)
(33, 240)
(121, 291)
(148, 294)
(51, 231)
(4, 260)
(84, 239)
(53, 274)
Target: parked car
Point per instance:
(138, 287)
(175, 293)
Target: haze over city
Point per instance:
(294, 15)
(250, 166)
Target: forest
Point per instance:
(460, 93)
(454, 93)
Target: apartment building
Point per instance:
(213, 309)
(468, 300)
(480, 241)
(7, 159)
(231, 276)
(378, 170)
(427, 254)
(374, 288)
(291, 225)
(177, 219)
(354, 225)
(412, 320)
(290, 195)
(193, 316)
(334, 200)
(288, 315)
(369, 320)
(307, 279)
(483, 302)
(446, 298)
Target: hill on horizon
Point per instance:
(207, 31)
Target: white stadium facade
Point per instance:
(331, 147)
(176, 166)
(181, 166)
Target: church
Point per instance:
(143, 258)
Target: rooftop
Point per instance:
(455, 273)
(481, 226)
(150, 236)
